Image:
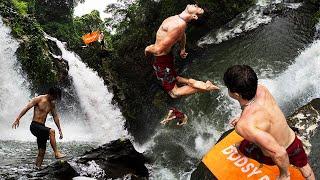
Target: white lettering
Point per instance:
(228, 150)
(241, 162)
(265, 177)
(247, 168)
(234, 156)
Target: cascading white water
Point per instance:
(14, 92)
(14, 95)
(105, 119)
(300, 82)
(245, 22)
(293, 88)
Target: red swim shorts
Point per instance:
(165, 71)
(296, 153)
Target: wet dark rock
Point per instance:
(53, 48)
(116, 159)
(292, 1)
(203, 173)
(274, 9)
(306, 119)
(59, 170)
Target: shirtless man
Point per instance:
(171, 32)
(174, 113)
(43, 105)
(267, 136)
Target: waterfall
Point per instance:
(14, 92)
(299, 84)
(105, 119)
(244, 22)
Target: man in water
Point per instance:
(43, 105)
(171, 32)
(174, 113)
(267, 136)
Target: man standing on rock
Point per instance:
(43, 105)
(267, 136)
(171, 32)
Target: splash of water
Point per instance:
(105, 119)
(299, 84)
(244, 22)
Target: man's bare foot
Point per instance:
(211, 87)
(206, 86)
(58, 155)
(183, 121)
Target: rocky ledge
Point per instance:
(117, 159)
(306, 121)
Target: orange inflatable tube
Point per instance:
(91, 37)
(224, 161)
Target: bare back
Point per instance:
(265, 114)
(173, 27)
(42, 107)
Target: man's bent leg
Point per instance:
(205, 86)
(53, 143)
(307, 172)
(182, 91)
(40, 157)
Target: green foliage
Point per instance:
(88, 23)
(33, 50)
(53, 11)
(18, 29)
(21, 6)
(316, 17)
(65, 31)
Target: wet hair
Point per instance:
(55, 92)
(241, 79)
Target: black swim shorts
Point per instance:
(41, 132)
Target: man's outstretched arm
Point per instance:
(166, 44)
(278, 153)
(56, 120)
(32, 103)
(183, 41)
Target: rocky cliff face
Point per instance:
(33, 52)
(306, 120)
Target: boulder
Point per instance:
(117, 159)
(306, 120)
